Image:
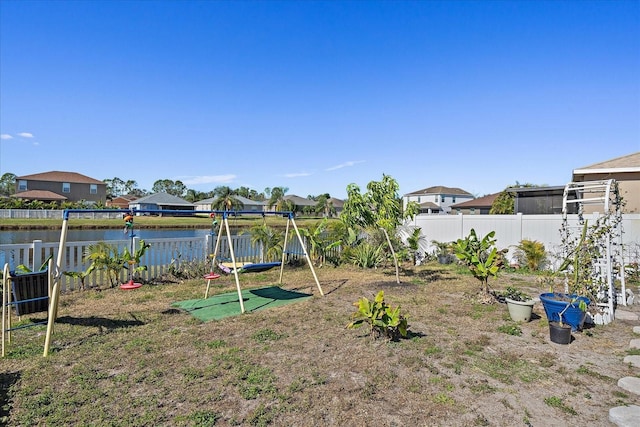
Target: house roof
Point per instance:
(429, 205)
(337, 203)
(300, 201)
(59, 176)
(440, 189)
(628, 163)
(480, 202)
(162, 199)
(242, 199)
(39, 195)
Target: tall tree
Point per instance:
(175, 188)
(225, 200)
(7, 184)
(380, 208)
(115, 187)
(276, 198)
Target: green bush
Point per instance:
(382, 319)
(531, 253)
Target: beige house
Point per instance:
(60, 186)
(625, 170)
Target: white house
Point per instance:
(437, 199)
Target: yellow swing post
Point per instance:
(213, 260)
(233, 260)
(304, 250)
(55, 289)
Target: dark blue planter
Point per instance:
(554, 303)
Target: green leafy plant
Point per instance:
(366, 255)
(531, 253)
(515, 294)
(134, 258)
(383, 320)
(481, 256)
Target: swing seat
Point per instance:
(258, 267)
(247, 267)
(28, 294)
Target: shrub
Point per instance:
(382, 319)
(531, 253)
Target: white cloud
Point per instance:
(6, 136)
(344, 165)
(25, 135)
(207, 179)
(296, 175)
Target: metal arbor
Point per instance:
(601, 236)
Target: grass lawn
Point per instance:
(129, 358)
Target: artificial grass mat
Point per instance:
(217, 307)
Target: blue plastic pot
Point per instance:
(554, 303)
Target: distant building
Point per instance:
(60, 186)
(248, 204)
(437, 199)
(161, 202)
(625, 170)
(478, 206)
(121, 202)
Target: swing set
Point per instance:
(237, 267)
(55, 270)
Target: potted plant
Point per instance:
(519, 304)
(568, 307)
(559, 330)
(443, 251)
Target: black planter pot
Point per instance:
(560, 334)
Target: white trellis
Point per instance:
(604, 233)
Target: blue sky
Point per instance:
(315, 95)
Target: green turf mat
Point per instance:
(224, 305)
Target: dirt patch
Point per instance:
(128, 358)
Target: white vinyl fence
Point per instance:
(159, 258)
(511, 229)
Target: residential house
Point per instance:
(337, 204)
(161, 202)
(248, 204)
(121, 202)
(625, 170)
(479, 206)
(437, 199)
(61, 186)
(302, 204)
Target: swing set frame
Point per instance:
(236, 266)
(57, 267)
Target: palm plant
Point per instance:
(319, 241)
(269, 241)
(105, 257)
(225, 200)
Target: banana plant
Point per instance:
(382, 318)
(481, 257)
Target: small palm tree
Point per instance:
(268, 239)
(225, 200)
